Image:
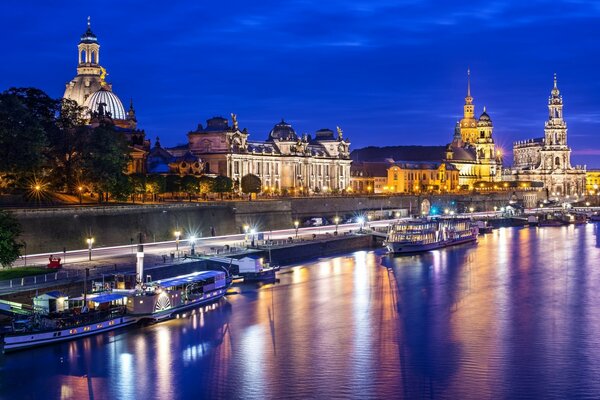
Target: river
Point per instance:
(515, 316)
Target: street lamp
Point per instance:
(361, 222)
(337, 221)
(471, 209)
(193, 244)
(296, 225)
(246, 229)
(90, 242)
(177, 234)
(80, 189)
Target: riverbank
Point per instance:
(52, 229)
(282, 255)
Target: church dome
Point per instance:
(283, 131)
(484, 119)
(112, 104)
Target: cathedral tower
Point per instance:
(90, 75)
(555, 152)
(468, 125)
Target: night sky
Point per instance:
(387, 72)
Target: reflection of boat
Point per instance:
(551, 220)
(484, 227)
(59, 319)
(595, 217)
(428, 234)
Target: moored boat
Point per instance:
(419, 235)
(68, 319)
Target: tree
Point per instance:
(173, 184)
(189, 185)
(222, 185)
(251, 184)
(155, 185)
(206, 185)
(138, 185)
(23, 137)
(105, 159)
(10, 248)
(67, 147)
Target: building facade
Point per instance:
(472, 150)
(394, 177)
(90, 89)
(592, 181)
(548, 159)
(285, 161)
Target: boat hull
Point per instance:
(34, 339)
(14, 342)
(407, 248)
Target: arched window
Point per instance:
(557, 162)
(82, 56)
(93, 58)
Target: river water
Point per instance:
(515, 316)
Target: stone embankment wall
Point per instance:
(51, 229)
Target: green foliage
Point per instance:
(173, 183)
(206, 184)
(155, 185)
(105, 158)
(222, 185)
(24, 115)
(251, 184)
(189, 185)
(10, 248)
(67, 147)
(15, 273)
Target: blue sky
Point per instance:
(387, 72)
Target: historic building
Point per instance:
(548, 159)
(90, 89)
(284, 161)
(404, 177)
(592, 181)
(472, 150)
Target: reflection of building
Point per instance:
(472, 150)
(404, 177)
(548, 159)
(90, 89)
(592, 181)
(285, 161)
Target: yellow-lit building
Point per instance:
(472, 150)
(592, 181)
(438, 177)
(404, 177)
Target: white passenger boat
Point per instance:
(418, 235)
(58, 318)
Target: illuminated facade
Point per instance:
(285, 162)
(592, 181)
(90, 89)
(548, 159)
(404, 177)
(472, 150)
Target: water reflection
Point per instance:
(512, 317)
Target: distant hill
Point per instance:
(399, 153)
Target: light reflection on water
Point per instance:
(516, 316)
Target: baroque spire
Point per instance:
(469, 98)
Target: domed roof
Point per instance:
(89, 36)
(283, 131)
(484, 119)
(112, 104)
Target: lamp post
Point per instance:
(90, 242)
(80, 190)
(337, 221)
(296, 225)
(193, 245)
(246, 228)
(177, 235)
(361, 223)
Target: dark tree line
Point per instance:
(46, 139)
